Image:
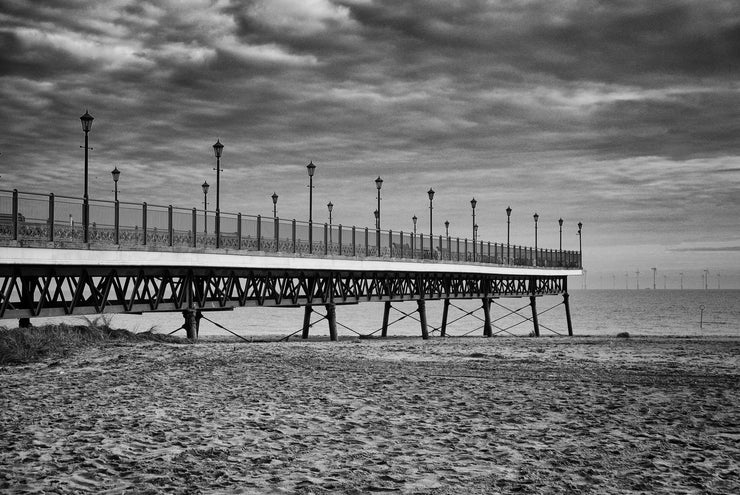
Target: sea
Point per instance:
(644, 312)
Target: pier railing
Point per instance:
(39, 220)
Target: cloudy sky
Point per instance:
(621, 114)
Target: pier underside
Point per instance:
(62, 283)
(55, 291)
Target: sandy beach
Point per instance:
(444, 416)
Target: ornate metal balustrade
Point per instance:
(35, 220)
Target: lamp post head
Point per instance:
(508, 211)
(447, 224)
(311, 168)
(86, 121)
(218, 148)
(580, 225)
(536, 217)
(378, 183)
(330, 206)
(560, 222)
(475, 228)
(377, 214)
(274, 198)
(205, 187)
(430, 192)
(115, 173)
(414, 219)
(473, 202)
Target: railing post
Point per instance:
(440, 249)
(354, 242)
(339, 235)
(194, 225)
(259, 233)
(489, 252)
(238, 231)
(367, 242)
(377, 242)
(51, 217)
(117, 222)
(143, 223)
(466, 249)
(413, 245)
(390, 243)
(326, 239)
(421, 245)
(294, 231)
(170, 229)
(277, 234)
(400, 240)
(458, 248)
(449, 248)
(15, 214)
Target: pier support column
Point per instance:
(487, 329)
(331, 316)
(535, 322)
(306, 321)
(445, 312)
(386, 315)
(567, 313)
(192, 323)
(24, 323)
(423, 318)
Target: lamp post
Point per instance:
(473, 203)
(205, 188)
(378, 185)
(330, 207)
(580, 244)
(536, 218)
(508, 234)
(86, 120)
(274, 204)
(116, 174)
(447, 228)
(311, 168)
(218, 148)
(560, 223)
(430, 192)
(414, 219)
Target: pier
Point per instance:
(63, 256)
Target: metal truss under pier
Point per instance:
(53, 282)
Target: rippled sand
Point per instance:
(500, 415)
